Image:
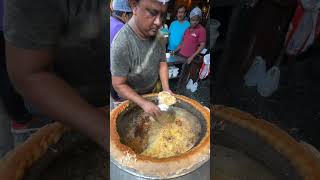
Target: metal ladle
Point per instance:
(168, 115)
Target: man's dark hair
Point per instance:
(182, 6)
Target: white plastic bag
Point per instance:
(256, 72)
(303, 28)
(270, 82)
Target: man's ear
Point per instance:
(133, 4)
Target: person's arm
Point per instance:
(29, 70)
(124, 90)
(179, 47)
(177, 50)
(31, 33)
(164, 77)
(200, 48)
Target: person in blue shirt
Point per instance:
(177, 28)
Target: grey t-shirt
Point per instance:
(137, 59)
(75, 29)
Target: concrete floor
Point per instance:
(202, 95)
(294, 107)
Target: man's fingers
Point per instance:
(157, 111)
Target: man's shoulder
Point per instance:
(122, 38)
(123, 33)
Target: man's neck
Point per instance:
(181, 21)
(135, 28)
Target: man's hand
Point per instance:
(190, 59)
(151, 109)
(125, 91)
(168, 90)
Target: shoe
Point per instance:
(22, 131)
(22, 127)
(190, 83)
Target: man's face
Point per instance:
(149, 15)
(181, 14)
(194, 21)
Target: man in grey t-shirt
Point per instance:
(137, 56)
(56, 60)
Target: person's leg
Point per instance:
(114, 103)
(12, 101)
(157, 88)
(185, 73)
(21, 132)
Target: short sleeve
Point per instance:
(32, 23)
(202, 35)
(119, 57)
(162, 52)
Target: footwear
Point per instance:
(190, 83)
(22, 127)
(22, 131)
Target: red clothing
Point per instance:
(192, 39)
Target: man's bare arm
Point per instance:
(198, 51)
(29, 70)
(164, 76)
(125, 91)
